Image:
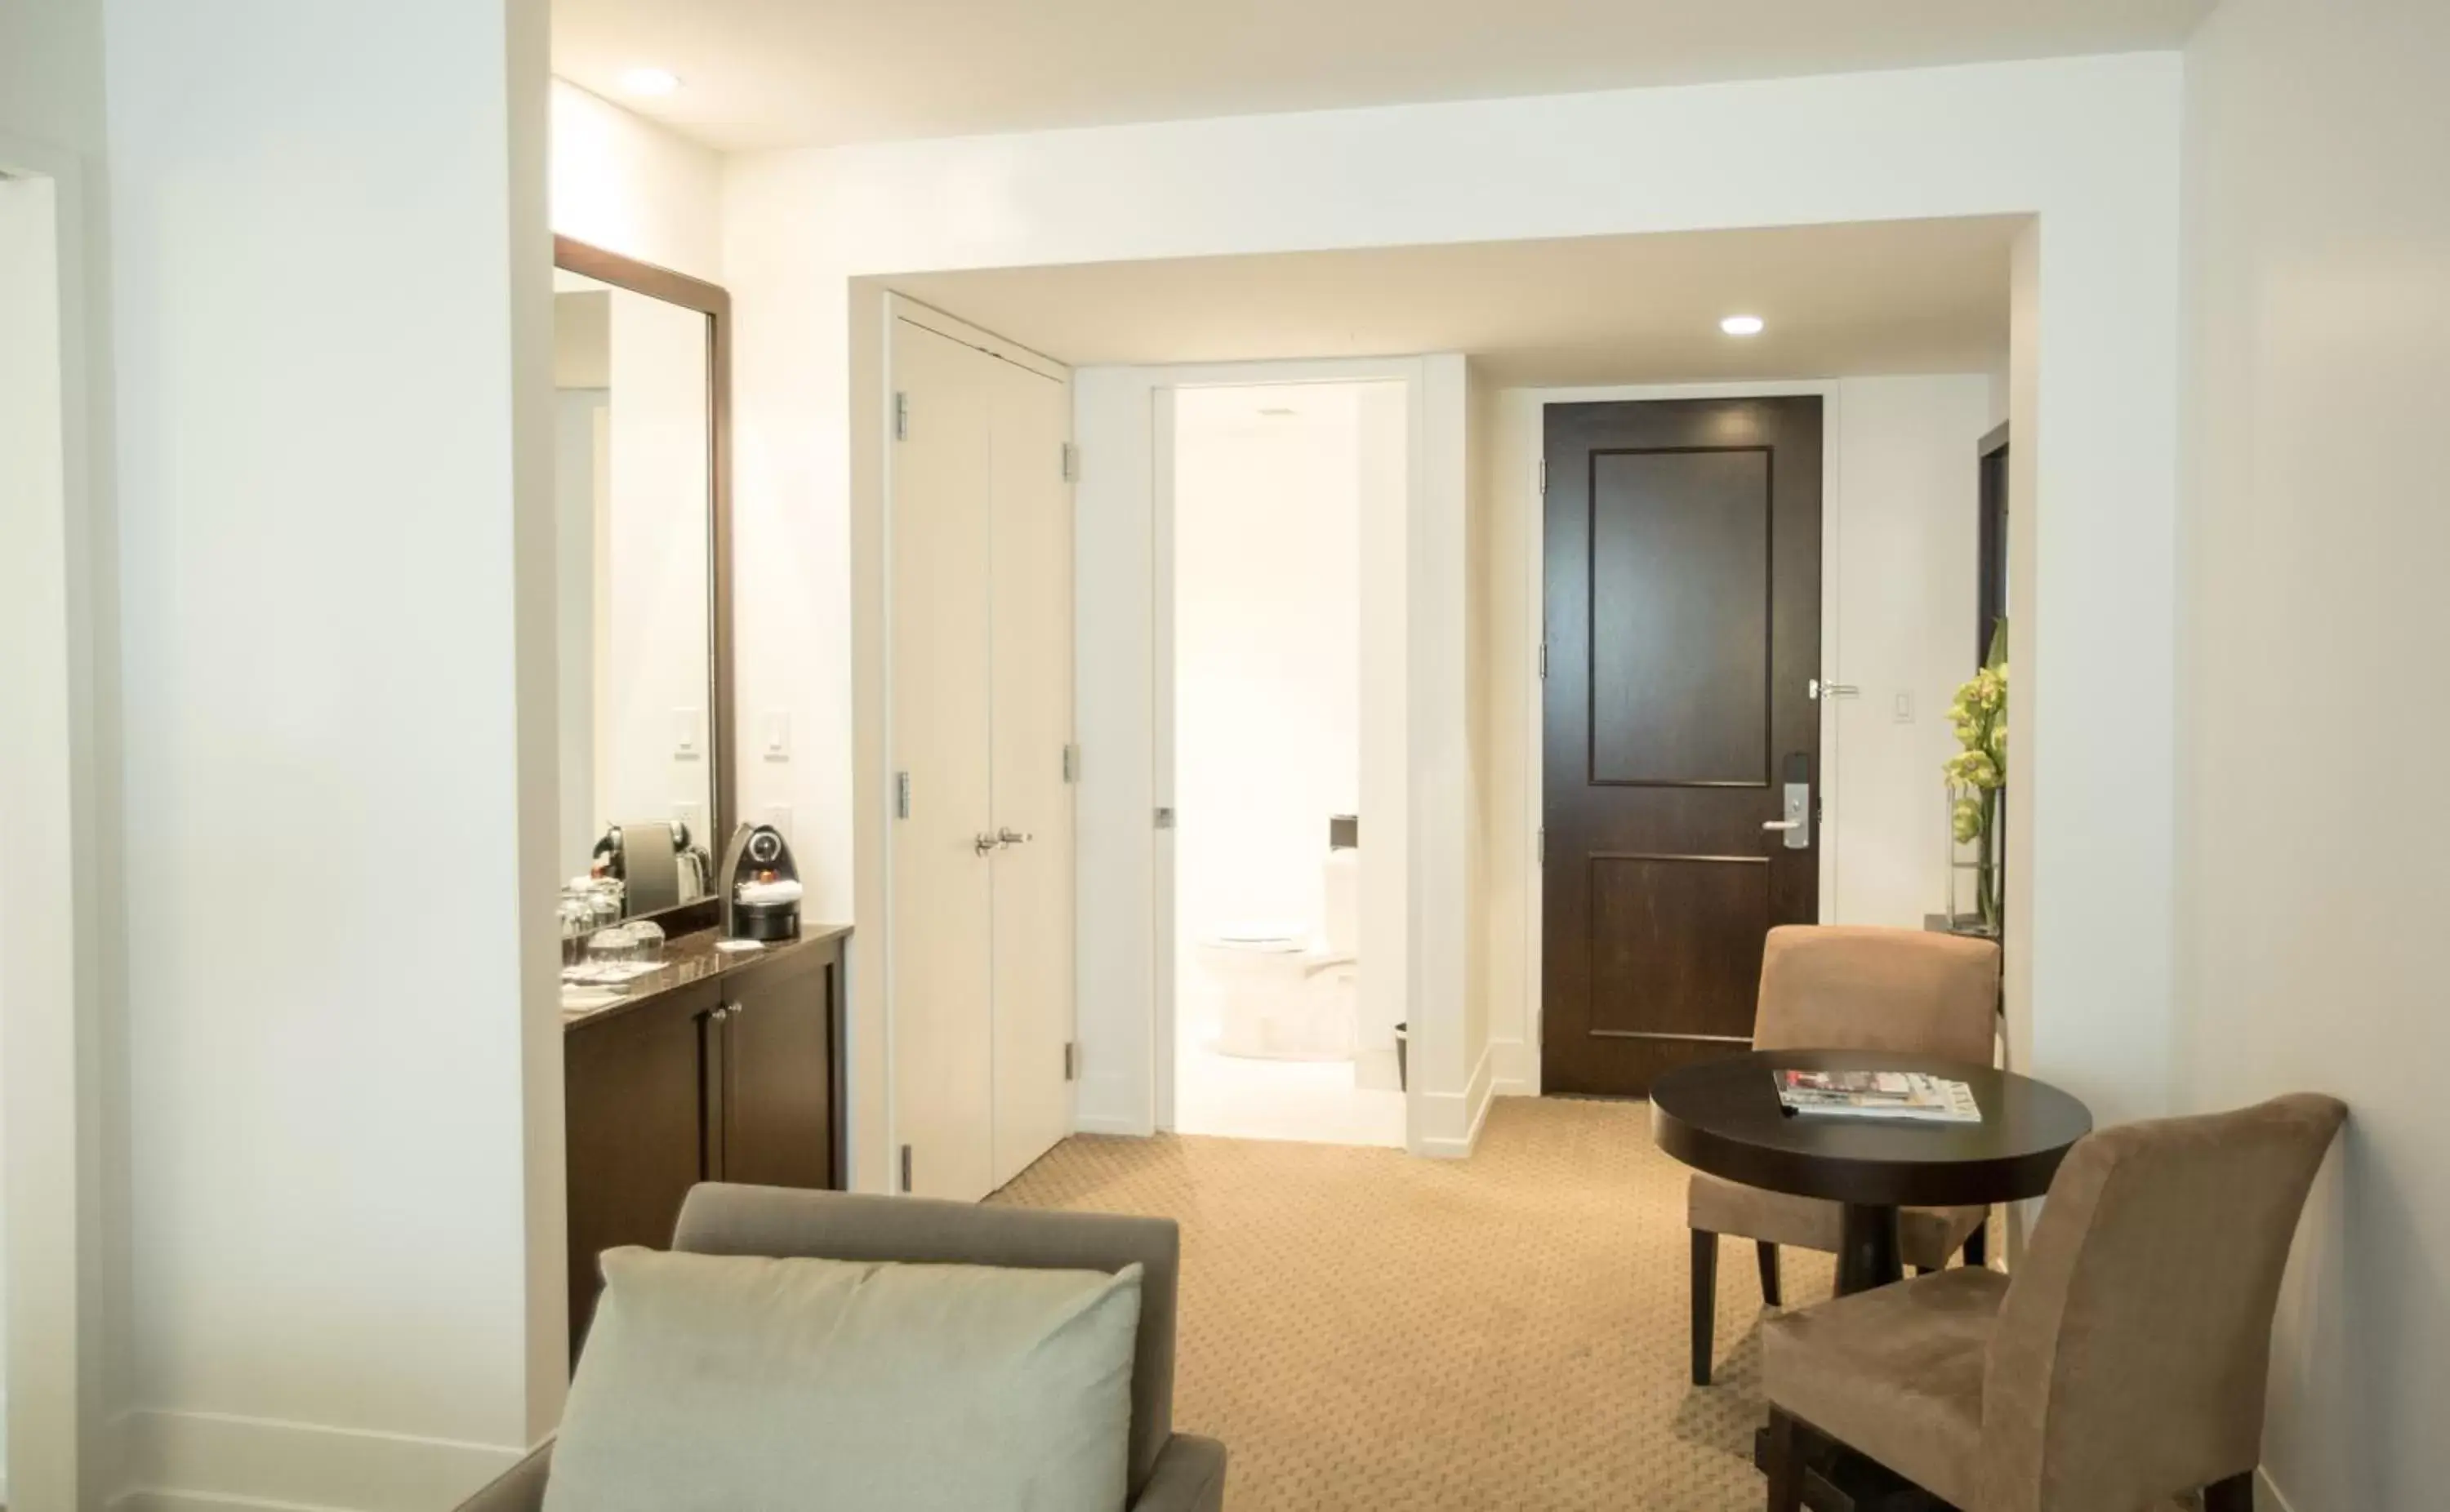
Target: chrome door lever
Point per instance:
(1007, 836)
(985, 845)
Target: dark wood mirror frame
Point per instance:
(715, 304)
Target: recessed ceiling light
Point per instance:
(649, 81)
(1277, 413)
(1742, 325)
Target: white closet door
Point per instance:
(940, 698)
(1032, 553)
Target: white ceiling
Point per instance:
(761, 74)
(1894, 297)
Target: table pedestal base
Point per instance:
(1867, 1248)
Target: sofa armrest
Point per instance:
(520, 1488)
(1189, 1477)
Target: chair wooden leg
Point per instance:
(1767, 1252)
(1785, 1467)
(1705, 1301)
(1977, 1244)
(2236, 1494)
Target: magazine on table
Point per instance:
(1906, 1097)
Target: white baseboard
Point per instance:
(1452, 1120)
(2267, 1492)
(1514, 1069)
(189, 1462)
(1092, 1123)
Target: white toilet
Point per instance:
(1288, 991)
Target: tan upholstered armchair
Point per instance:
(1849, 988)
(2123, 1367)
(1169, 1471)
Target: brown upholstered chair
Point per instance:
(1849, 988)
(2124, 1365)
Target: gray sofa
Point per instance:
(1169, 1471)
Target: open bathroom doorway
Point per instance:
(1271, 608)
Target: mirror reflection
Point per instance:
(636, 698)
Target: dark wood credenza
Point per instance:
(719, 1068)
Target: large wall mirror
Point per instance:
(642, 494)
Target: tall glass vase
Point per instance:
(1976, 875)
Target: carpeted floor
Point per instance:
(1368, 1330)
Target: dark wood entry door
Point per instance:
(1682, 645)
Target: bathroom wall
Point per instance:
(1267, 646)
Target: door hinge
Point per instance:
(1071, 463)
(901, 795)
(1540, 844)
(1072, 763)
(1543, 475)
(1071, 1060)
(1165, 819)
(901, 416)
(905, 1168)
(1543, 661)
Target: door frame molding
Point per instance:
(878, 948)
(1127, 963)
(60, 1007)
(1528, 421)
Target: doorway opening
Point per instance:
(1274, 1038)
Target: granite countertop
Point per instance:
(692, 958)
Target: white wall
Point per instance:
(1267, 636)
(2317, 524)
(1903, 548)
(334, 350)
(627, 185)
(2089, 144)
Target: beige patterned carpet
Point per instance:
(1364, 1330)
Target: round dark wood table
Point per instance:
(1723, 1117)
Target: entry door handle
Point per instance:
(1794, 823)
(1009, 836)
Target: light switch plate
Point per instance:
(688, 742)
(778, 735)
(1905, 708)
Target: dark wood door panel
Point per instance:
(1680, 617)
(1676, 945)
(1682, 628)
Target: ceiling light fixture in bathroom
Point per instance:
(649, 81)
(1742, 325)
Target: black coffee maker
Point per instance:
(761, 885)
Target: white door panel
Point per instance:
(939, 701)
(1031, 589)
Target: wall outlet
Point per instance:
(779, 816)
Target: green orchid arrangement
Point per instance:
(1978, 774)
